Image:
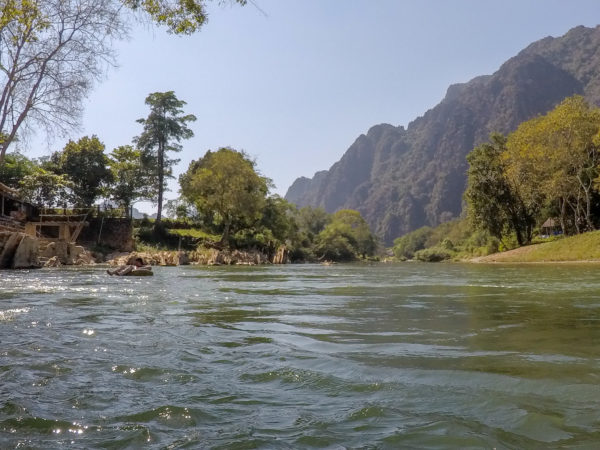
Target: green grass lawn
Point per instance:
(583, 247)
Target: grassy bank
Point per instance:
(583, 247)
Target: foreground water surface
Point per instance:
(305, 356)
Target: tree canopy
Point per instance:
(548, 167)
(131, 180)
(226, 185)
(345, 237)
(179, 16)
(86, 165)
(163, 129)
(51, 52)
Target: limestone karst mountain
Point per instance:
(401, 179)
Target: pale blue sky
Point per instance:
(294, 87)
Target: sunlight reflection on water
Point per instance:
(408, 355)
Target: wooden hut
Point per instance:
(550, 227)
(14, 211)
(19, 215)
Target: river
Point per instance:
(433, 356)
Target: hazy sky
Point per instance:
(295, 82)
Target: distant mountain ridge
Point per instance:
(401, 179)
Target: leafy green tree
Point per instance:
(277, 216)
(345, 238)
(312, 220)
(494, 201)
(181, 209)
(164, 128)
(44, 188)
(276, 227)
(131, 180)
(555, 159)
(224, 184)
(86, 165)
(15, 168)
(365, 242)
(179, 16)
(406, 246)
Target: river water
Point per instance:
(444, 356)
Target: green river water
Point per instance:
(432, 356)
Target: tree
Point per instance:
(86, 165)
(225, 184)
(495, 199)
(406, 246)
(15, 168)
(164, 128)
(44, 188)
(180, 16)
(559, 152)
(131, 180)
(51, 52)
(312, 220)
(345, 238)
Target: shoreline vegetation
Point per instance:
(540, 183)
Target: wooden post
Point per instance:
(30, 229)
(64, 232)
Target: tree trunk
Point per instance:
(225, 237)
(161, 177)
(563, 212)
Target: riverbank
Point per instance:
(574, 249)
(208, 257)
(21, 251)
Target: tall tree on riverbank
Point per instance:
(556, 157)
(225, 184)
(51, 52)
(164, 128)
(494, 200)
(131, 180)
(548, 167)
(86, 165)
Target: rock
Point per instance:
(19, 250)
(53, 262)
(27, 254)
(282, 256)
(211, 257)
(68, 253)
(9, 241)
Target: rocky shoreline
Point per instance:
(21, 251)
(207, 257)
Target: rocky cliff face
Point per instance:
(401, 179)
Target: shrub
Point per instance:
(434, 254)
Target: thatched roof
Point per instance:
(550, 223)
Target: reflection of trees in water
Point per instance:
(539, 331)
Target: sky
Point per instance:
(293, 83)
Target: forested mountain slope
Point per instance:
(401, 179)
